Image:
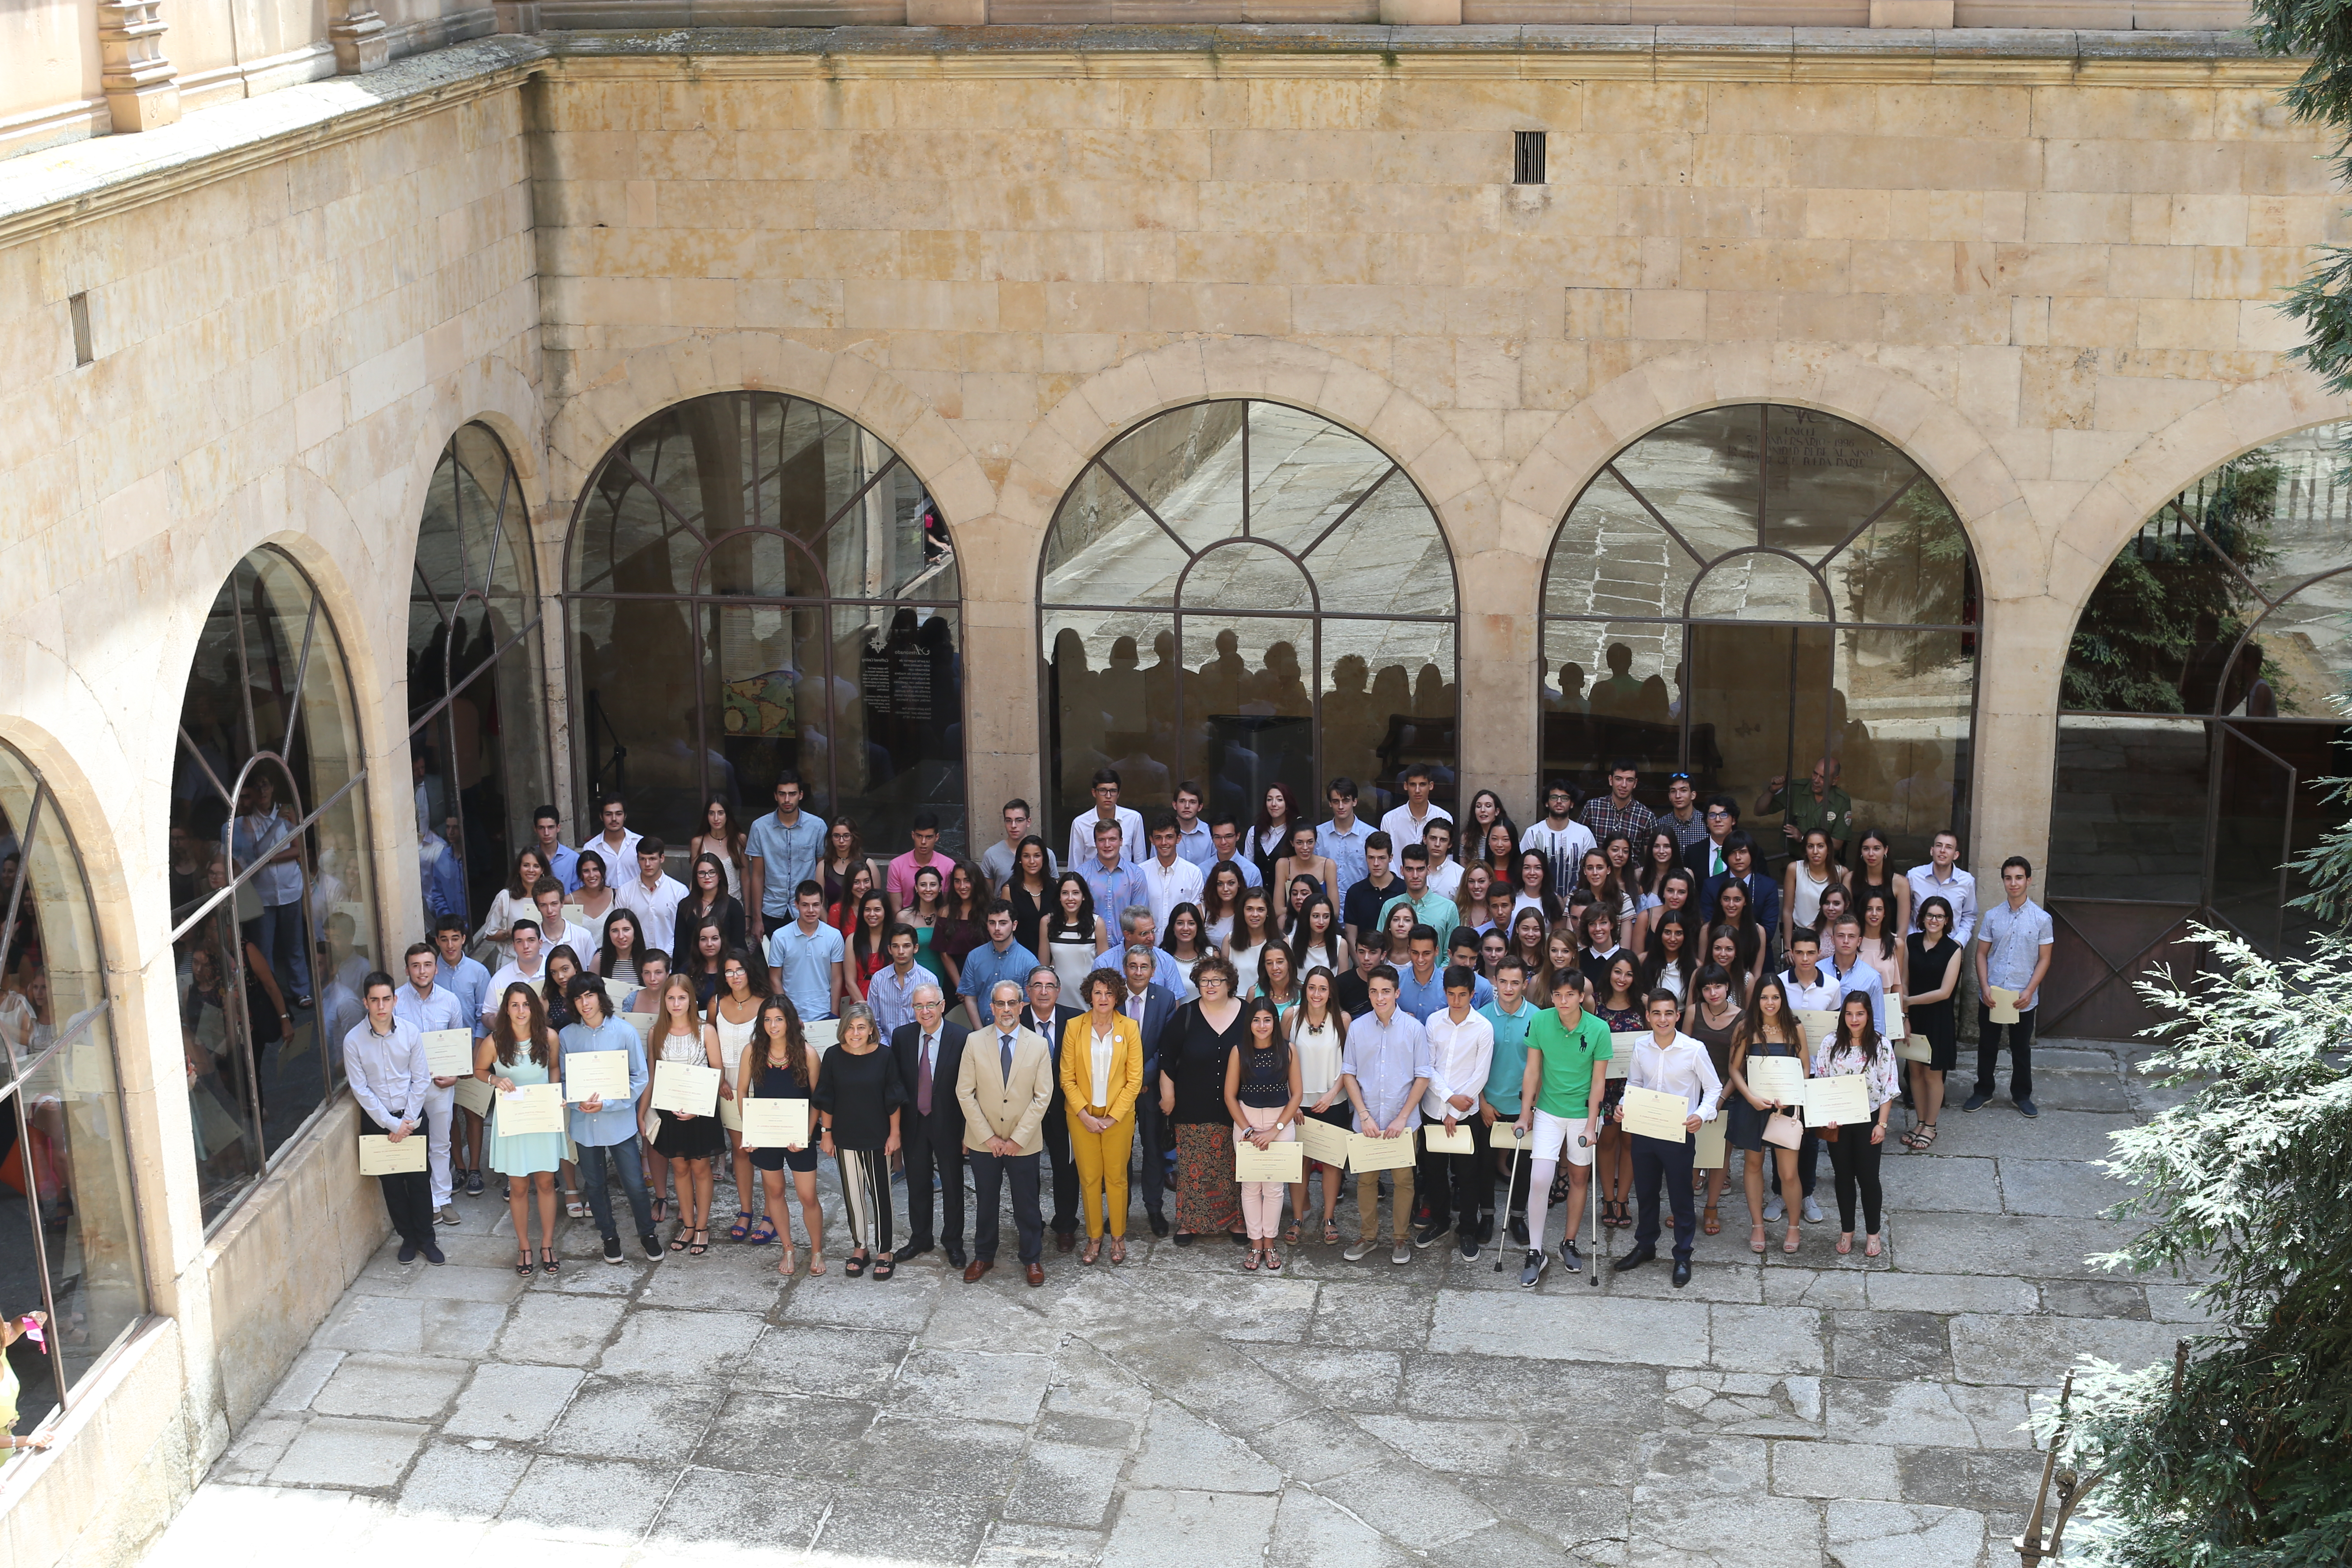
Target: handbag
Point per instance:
(1783, 1131)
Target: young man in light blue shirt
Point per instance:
(562, 862)
(607, 1130)
(432, 1008)
(805, 954)
(1384, 1068)
(1342, 838)
(1192, 840)
(779, 853)
(998, 958)
(2013, 948)
(383, 1063)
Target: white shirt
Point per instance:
(1820, 996)
(585, 944)
(1098, 1049)
(442, 1010)
(620, 865)
(1460, 1056)
(1131, 845)
(1562, 849)
(1403, 829)
(387, 1072)
(1682, 1068)
(655, 909)
(1165, 887)
(511, 974)
(1445, 877)
(1960, 892)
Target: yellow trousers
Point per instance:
(1101, 1159)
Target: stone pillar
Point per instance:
(2022, 653)
(1500, 664)
(143, 90)
(361, 45)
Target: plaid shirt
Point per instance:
(1602, 816)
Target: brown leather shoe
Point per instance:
(1065, 1241)
(976, 1267)
(1036, 1274)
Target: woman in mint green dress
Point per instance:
(519, 1051)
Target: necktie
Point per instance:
(1135, 1006)
(1006, 1049)
(923, 1080)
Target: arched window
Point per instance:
(2195, 719)
(1241, 594)
(476, 712)
(70, 1239)
(758, 584)
(1748, 590)
(272, 882)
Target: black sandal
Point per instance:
(701, 1242)
(885, 1265)
(548, 1262)
(526, 1268)
(854, 1265)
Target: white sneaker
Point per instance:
(1773, 1209)
(1812, 1212)
(1401, 1253)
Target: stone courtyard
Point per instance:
(1797, 1411)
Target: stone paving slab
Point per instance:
(1819, 1409)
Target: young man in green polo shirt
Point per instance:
(1567, 1074)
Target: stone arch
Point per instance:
(491, 392)
(586, 425)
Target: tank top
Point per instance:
(781, 1083)
(1319, 1056)
(683, 1049)
(1266, 1078)
(733, 1038)
(1070, 949)
(1806, 907)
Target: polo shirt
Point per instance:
(1509, 1074)
(1361, 906)
(802, 963)
(1565, 1089)
(1432, 909)
(984, 966)
(1194, 844)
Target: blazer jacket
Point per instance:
(946, 1124)
(1077, 1067)
(996, 1105)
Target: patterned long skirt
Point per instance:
(1208, 1199)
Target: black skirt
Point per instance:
(698, 1138)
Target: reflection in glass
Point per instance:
(1242, 683)
(825, 639)
(267, 810)
(1877, 674)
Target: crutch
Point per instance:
(1510, 1185)
(1592, 1187)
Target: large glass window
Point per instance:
(1749, 591)
(756, 584)
(478, 723)
(1241, 594)
(272, 882)
(69, 1237)
(2195, 721)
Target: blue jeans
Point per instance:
(287, 945)
(624, 1155)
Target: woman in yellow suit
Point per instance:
(1102, 1070)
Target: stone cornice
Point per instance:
(41, 193)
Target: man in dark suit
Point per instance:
(1763, 892)
(1043, 1014)
(928, 1051)
(1704, 857)
(1150, 1005)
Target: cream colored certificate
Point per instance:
(643, 1023)
(731, 1114)
(687, 1087)
(773, 1123)
(1845, 1099)
(449, 1053)
(1711, 1153)
(1438, 1141)
(380, 1156)
(1505, 1136)
(1913, 1047)
(1277, 1161)
(1623, 1044)
(1817, 1024)
(476, 1096)
(1379, 1153)
(1323, 1141)
(1897, 1023)
(531, 1108)
(2003, 1003)
(574, 915)
(1654, 1113)
(821, 1032)
(1775, 1077)
(604, 1073)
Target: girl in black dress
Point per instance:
(1935, 971)
(1768, 1030)
(685, 1141)
(778, 1065)
(859, 1098)
(1192, 1089)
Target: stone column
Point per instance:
(2022, 653)
(143, 89)
(1499, 674)
(361, 45)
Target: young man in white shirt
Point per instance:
(554, 932)
(1669, 1062)
(653, 895)
(615, 844)
(529, 967)
(1941, 878)
(1558, 837)
(1341, 840)
(1168, 879)
(1404, 823)
(1106, 809)
(1445, 875)
(1812, 989)
(431, 1009)
(1461, 1054)
(1192, 840)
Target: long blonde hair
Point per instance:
(693, 1003)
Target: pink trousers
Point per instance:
(1261, 1201)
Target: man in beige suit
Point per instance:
(1004, 1083)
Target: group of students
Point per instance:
(1168, 992)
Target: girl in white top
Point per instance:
(1253, 928)
(1186, 943)
(734, 1013)
(719, 836)
(1858, 1047)
(1318, 939)
(1074, 935)
(1219, 901)
(511, 903)
(1277, 976)
(1802, 884)
(1317, 1031)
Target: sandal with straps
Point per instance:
(701, 1242)
(1920, 1139)
(1713, 1222)
(548, 1262)
(526, 1268)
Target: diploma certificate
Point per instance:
(380, 1156)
